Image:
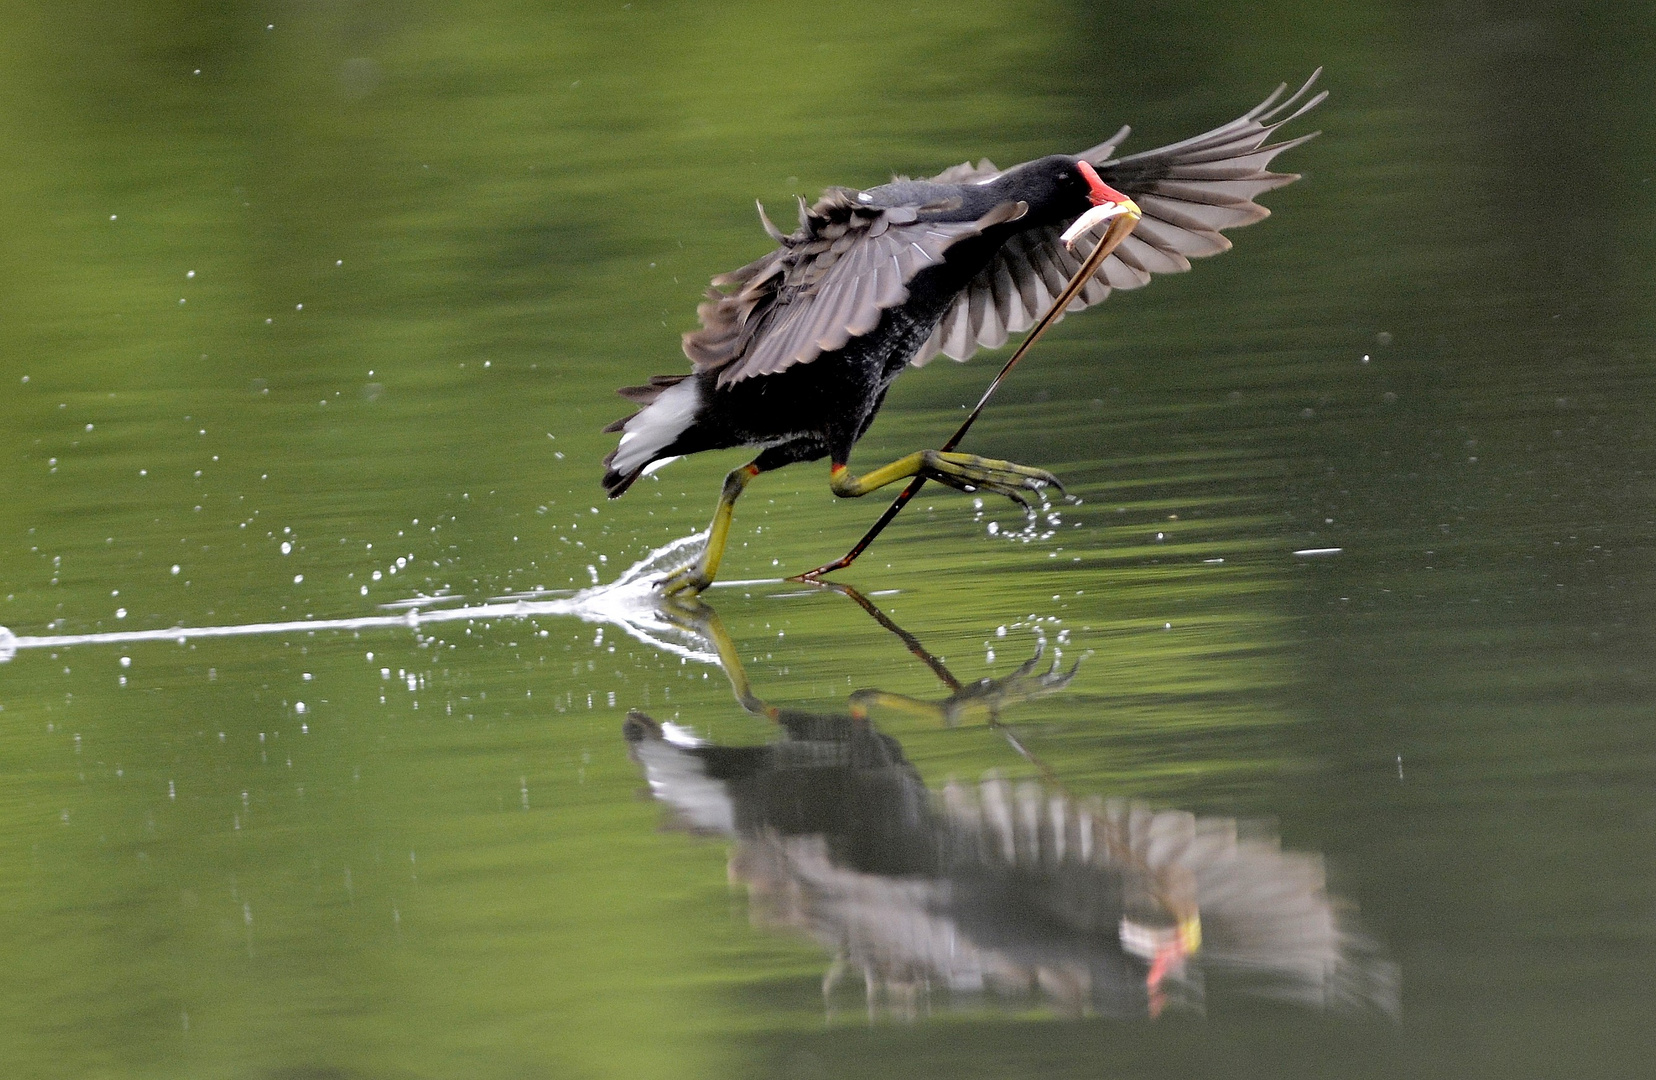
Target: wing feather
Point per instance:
(864, 312)
(933, 345)
(1118, 274)
(827, 283)
(958, 341)
(994, 317)
(1009, 302)
(967, 173)
(1189, 191)
(1144, 254)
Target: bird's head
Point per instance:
(1105, 203)
(1061, 187)
(1066, 189)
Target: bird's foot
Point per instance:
(686, 582)
(968, 472)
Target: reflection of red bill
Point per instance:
(1166, 948)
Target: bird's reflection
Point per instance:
(996, 891)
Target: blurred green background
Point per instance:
(309, 308)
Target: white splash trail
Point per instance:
(630, 602)
(414, 618)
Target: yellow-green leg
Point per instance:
(699, 575)
(963, 472)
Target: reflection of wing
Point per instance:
(1262, 914)
(825, 285)
(1188, 192)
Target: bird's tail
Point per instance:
(670, 404)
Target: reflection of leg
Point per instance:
(699, 575)
(982, 701)
(863, 702)
(836, 971)
(695, 616)
(963, 472)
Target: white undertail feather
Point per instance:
(655, 427)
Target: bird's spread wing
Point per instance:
(827, 283)
(967, 173)
(1188, 192)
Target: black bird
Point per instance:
(798, 348)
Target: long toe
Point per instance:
(1017, 496)
(684, 582)
(1007, 471)
(968, 472)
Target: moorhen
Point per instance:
(797, 349)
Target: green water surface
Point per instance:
(314, 308)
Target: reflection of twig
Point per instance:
(1028, 755)
(942, 672)
(913, 643)
(697, 617)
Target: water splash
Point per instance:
(630, 603)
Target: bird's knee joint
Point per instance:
(737, 479)
(841, 482)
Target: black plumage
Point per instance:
(797, 348)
